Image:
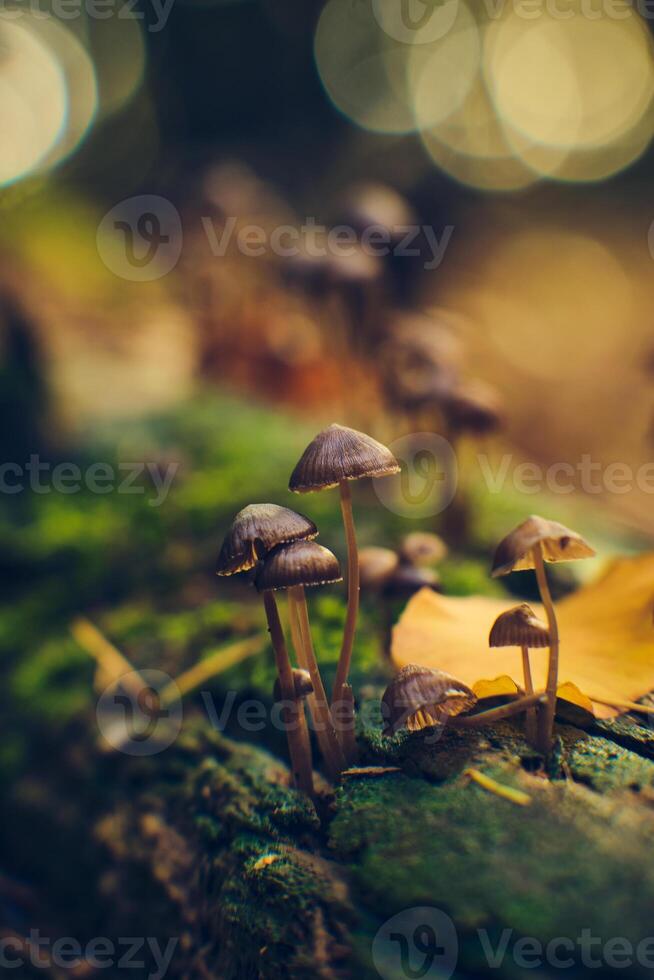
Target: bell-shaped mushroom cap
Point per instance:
(418, 697)
(406, 580)
(301, 682)
(559, 543)
(255, 530)
(474, 407)
(300, 563)
(376, 565)
(338, 453)
(519, 627)
(422, 548)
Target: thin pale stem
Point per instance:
(530, 718)
(300, 764)
(497, 714)
(325, 732)
(345, 659)
(346, 726)
(298, 646)
(546, 715)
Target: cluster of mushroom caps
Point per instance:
(277, 546)
(419, 697)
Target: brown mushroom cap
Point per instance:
(299, 563)
(559, 543)
(519, 627)
(255, 530)
(376, 565)
(301, 682)
(474, 407)
(422, 548)
(418, 697)
(339, 453)
(406, 580)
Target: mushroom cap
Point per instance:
(376, 565)
(406, 580)
(299, 563)
(338, 453)
(422, 548)
(375, 204)
(474, 407)
(255, 530)
(519, 627)
(559, 543)
(301, 682)
(418, 697)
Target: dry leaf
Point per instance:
(607, 638)
(498, 687)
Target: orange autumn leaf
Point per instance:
(607, 636)
(498, 687)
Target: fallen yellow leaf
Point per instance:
(607, 637)
(498, 687)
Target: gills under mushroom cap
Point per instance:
(256, 530)
(301, 563)
(419, 697)
(338, 453)
(559, 543)
(519, 627)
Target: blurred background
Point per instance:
(226, 223)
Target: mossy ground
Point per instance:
(205, 841)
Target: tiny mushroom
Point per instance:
(256, 529)
(420, 697)
(407, 580)
(473, 407)
(292, 567)
(376, 565)
(336, 456)
(302, 766)
(528, 546)
(520, 627)
(422, 548)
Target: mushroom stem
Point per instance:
(300, 763)
(346, 719)
(328, 741)
(497, 714)
(530, 719)
(345, 659)
(303, 773)
(298, 646)
(546, 716)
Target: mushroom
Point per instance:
(422, 548)
(255, 530)
(407, 580)
(519, 627)
(292, 567)
(419, 697)
(529, 545)
(336, 456)
(473, 407)
(294, 716)
(376, 565)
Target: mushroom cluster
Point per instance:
(276, 545)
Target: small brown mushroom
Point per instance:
(294, 716)
(519, 627)
(530, 545)
(292, 567)
(336, 456)
(407, 580)
(376, 565)
(419, 697)
(473, 407)
(255, 530)
(422, 548)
